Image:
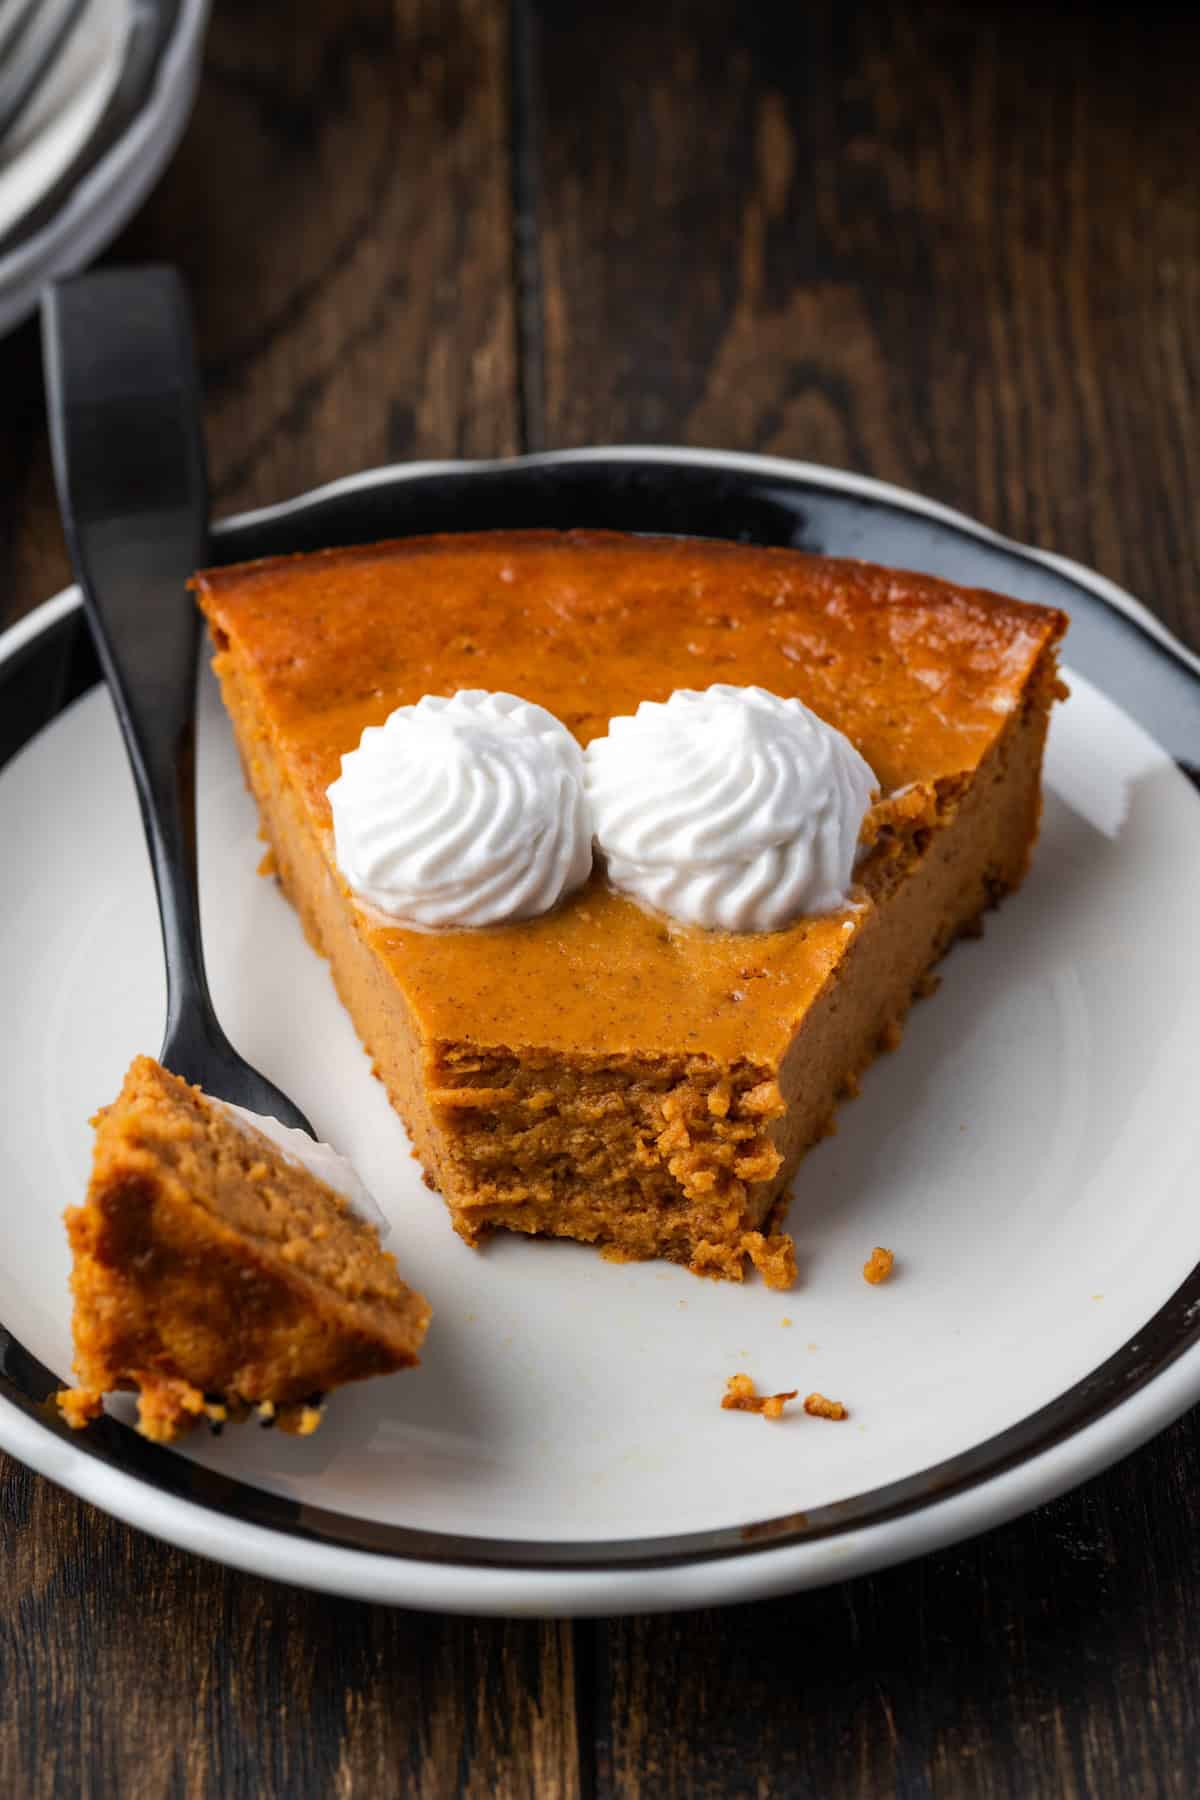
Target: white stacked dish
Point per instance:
(94, 140)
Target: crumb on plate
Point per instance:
(878, 1266)
(818, 1407)
(79, 1406)
(774, 1256)
(739, 1396)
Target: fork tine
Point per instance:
(30, 50)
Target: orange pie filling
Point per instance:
(600, 1072)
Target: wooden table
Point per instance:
(955, 246)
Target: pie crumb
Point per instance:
(774, 1257)
(300, 1421)
(878, 1266)
(739, 1396)
(818, 1407)
(79, 1406)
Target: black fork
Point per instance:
(125, 431)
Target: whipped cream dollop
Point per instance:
(321, 1160)
(731, 808)
(466, 811)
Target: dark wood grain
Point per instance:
(1054, 1658)
(340, 206)
(954, 246)
(133, 1670)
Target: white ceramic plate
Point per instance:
(1031, 1154)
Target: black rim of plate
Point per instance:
(747, 502)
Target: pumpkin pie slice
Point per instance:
(215, 1274)
(600, 1072)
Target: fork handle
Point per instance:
(125, 433)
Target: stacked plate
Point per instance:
(94, 139)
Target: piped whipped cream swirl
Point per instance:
(467, 811)
(320, 1159)
(731, 808)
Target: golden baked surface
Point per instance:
(588, 624)
(920, 675)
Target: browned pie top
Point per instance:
(921, 675)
